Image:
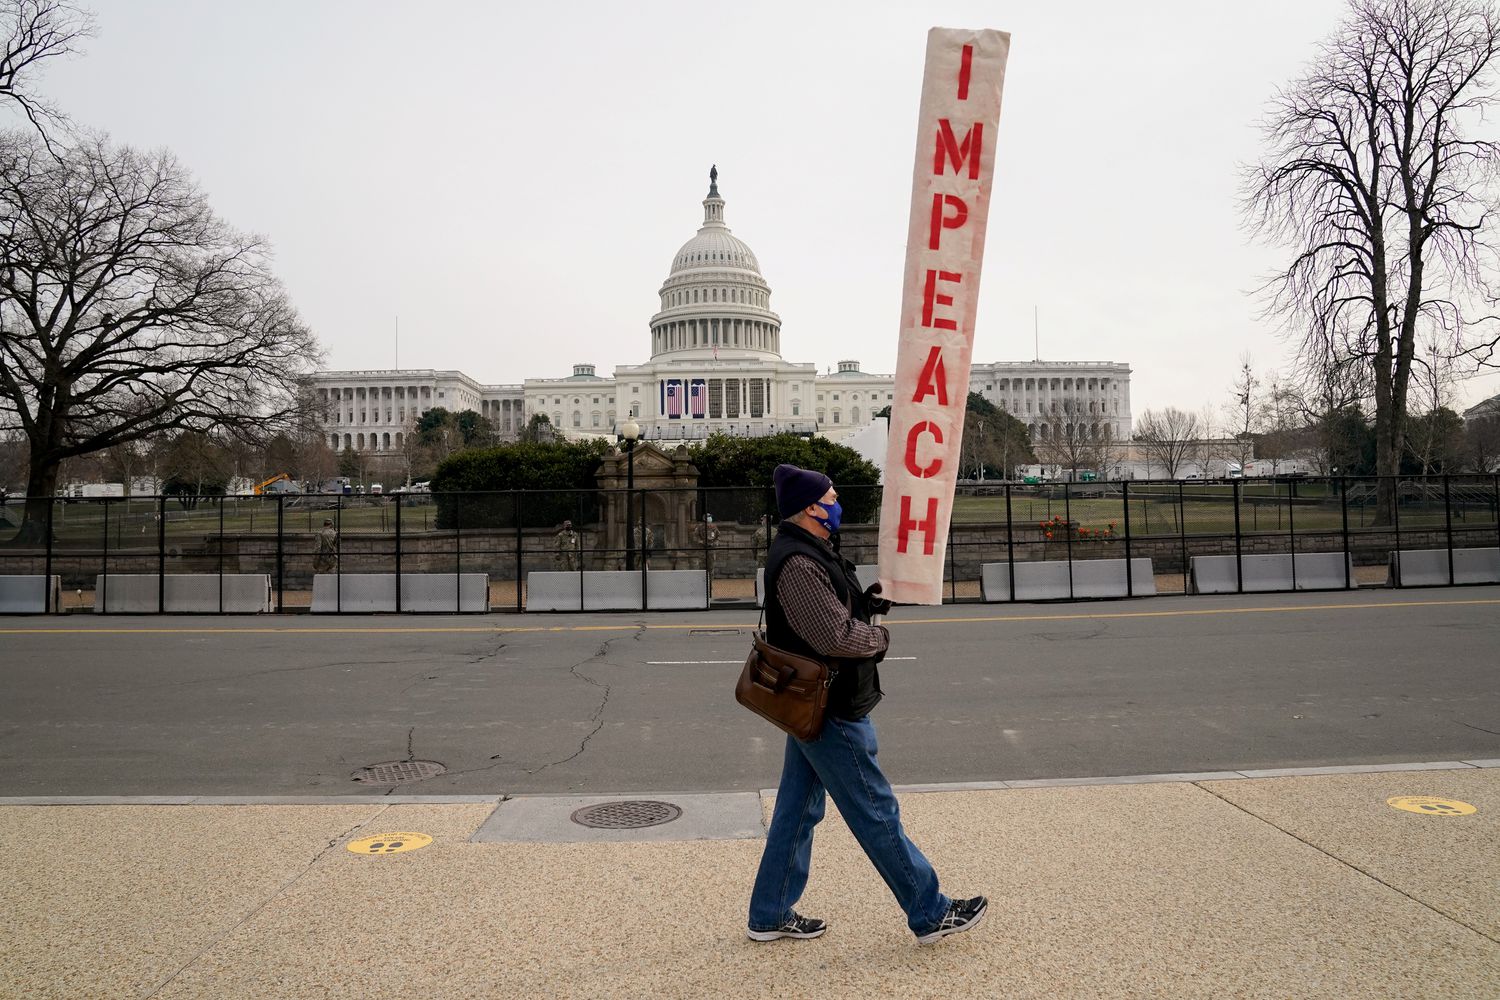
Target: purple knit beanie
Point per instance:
(797, 489)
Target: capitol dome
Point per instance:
(714, 303)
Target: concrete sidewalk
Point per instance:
(1309, 886)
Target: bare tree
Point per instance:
(12, 459)
(1076, 440)
(131, 310)
(1482, 443)
(1373, 183)
(194, 464)
(1281, 432)
(1169, 438)
(1243, 411)
(1432, 387)
(31, 32)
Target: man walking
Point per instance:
(814, 607)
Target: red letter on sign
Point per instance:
(933, 380)
(928, 526)
(963, 72)
(931, 296)
(940, 221)
(923, 471)
(948, 148)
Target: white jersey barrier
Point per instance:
(1429, 567)
(1268, 573)
(1063, 580)
(421, 592)
(182, 593)
(29, 595)
(617, 590)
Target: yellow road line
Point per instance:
(1194, 611)
(631, 627)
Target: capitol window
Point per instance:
(796, 408)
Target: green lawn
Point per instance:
(132, 523)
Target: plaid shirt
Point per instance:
(813, 610)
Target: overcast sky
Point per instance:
(512, 180)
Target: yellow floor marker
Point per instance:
(389, 843)
(1428, 806)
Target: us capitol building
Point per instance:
(715, 367)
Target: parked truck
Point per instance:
(91, 491)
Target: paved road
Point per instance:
(242, 706)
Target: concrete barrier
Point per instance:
(1429, 567)
(374, 592)
(1266, 573)
(182, 593)
(28, 595)
(1049, 581)
(868, 573)
(616, 590)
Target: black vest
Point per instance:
(856, 689)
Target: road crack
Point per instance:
(1478, 728)
(598, 715)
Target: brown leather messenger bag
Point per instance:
(788, 690)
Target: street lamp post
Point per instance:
(630, 431)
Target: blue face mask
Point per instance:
(835, 514)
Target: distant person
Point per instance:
(649, 542)
(328, 548)
(814, 607)
(762, 534)
(707, 535)
(567, 548)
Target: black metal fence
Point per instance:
(186, 553)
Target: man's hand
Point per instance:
(877, 604)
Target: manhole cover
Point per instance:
(626, 815)
(396, 771)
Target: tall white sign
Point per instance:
(950, 205)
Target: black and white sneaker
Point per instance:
(795, 927)
(962, 915)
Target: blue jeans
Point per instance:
(842, 761)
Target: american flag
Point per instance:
(696, 397)
(674, 398)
